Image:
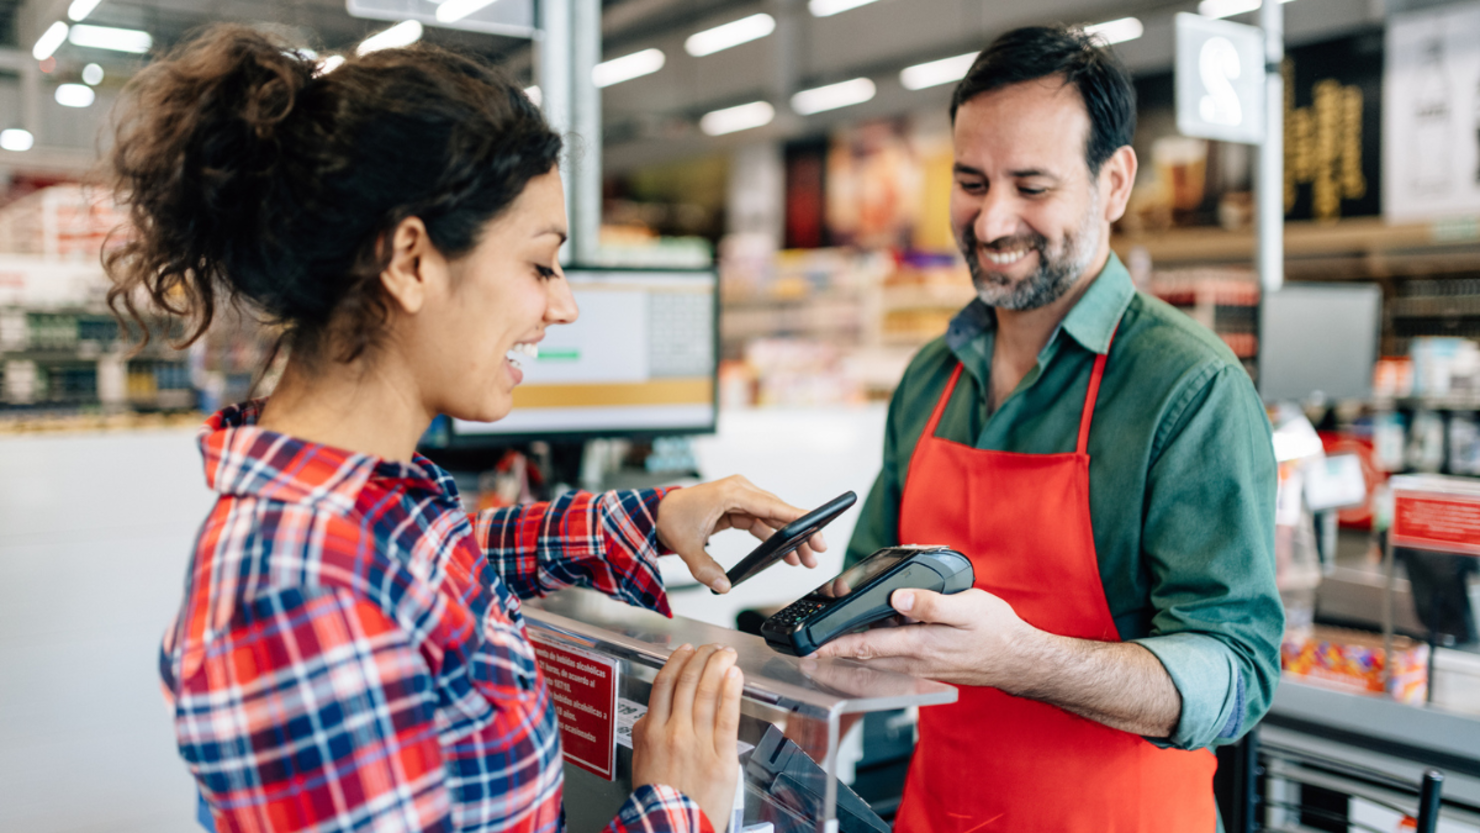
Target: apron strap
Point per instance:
(940, 404)
(1092, 396)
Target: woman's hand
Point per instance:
(687, 738)
(687, 517)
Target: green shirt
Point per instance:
(1182, 483)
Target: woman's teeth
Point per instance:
(1005, 258)
(523, 350)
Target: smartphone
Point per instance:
(859, 596)
(788, 538)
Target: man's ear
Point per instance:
(413, 264)
(1117, 177)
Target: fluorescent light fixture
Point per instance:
(935, 73)
(832, 96)
(329, 64)
(720, 38)
(82, 8)
(16, 139)
(1228, 8)
(1119, 30)
(535, 95)
(627, 67)
(404, 33)
(92, 75)
(107, 37)
(75, 95)
(454, 10)
(828, 8)
(49, 41)
(743, 117)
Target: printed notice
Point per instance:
(1448, 524)
(584, 687)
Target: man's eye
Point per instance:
(1032, 192)
(972, 186)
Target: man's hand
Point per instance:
(687, 517)
(975, 638)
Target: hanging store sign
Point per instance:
(584, 687)
(1431, 125)
(1220, 79)
(512, 18)
(1436, 513)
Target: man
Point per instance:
(1105, 463)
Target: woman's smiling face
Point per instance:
(496, 301)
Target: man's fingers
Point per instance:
(711, 684)
(727, 715)
(705, 569)
(958, 609)
(877, 644)
(660, 700)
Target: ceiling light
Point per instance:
(935, 73)
(16, 139)
(832, 96)
(535, 95)
(455, 10)
(329, 64)
(1116, 31)
(828, 8)
(92, 75)
(719, 38)
(1228, 8)
(743, 117)
(75, 95)
(82, 8)
(49, 41)
(404, 33)
(107, 37)
(627, 67)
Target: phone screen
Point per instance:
(859, 574)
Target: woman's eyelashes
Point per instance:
(545, 272)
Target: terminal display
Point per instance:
(640, 359)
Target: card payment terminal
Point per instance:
(859, 596)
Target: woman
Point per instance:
(350, 653)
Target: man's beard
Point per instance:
(1057, 269)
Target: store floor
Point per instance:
(95, 532)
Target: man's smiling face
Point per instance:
(1025, 209)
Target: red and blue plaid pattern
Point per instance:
(350, 653)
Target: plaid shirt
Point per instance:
(350, 653)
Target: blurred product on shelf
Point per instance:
(1445, 366)
(1355, 661)
(70, 222)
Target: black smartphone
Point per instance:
(788, 538)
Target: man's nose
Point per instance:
(998, 217)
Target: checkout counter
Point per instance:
(601, 656)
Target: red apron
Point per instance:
(992, 761)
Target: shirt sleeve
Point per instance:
(606, 541)
(1208, 539)
(313, 712)
(659, 808)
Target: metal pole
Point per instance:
(585, 167)
(1429, 801)
(553, 65)
(1270, 187)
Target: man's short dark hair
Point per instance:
(1035, 52)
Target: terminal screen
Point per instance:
(640, 357)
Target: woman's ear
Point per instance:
(414, 266)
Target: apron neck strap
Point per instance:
(940, 404)
(1092, 395)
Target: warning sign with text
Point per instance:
(584, 687)
(1446, 523)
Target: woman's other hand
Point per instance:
(687, 738)
(687, 517)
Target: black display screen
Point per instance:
(859, 574)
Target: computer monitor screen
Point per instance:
(641, 358)
(1319, 338)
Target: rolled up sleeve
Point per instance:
(1208, 541)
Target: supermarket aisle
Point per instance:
(94, 533)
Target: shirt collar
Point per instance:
(1091, 321)
(242, 459)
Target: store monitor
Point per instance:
(641, 359)
(1319, 339)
